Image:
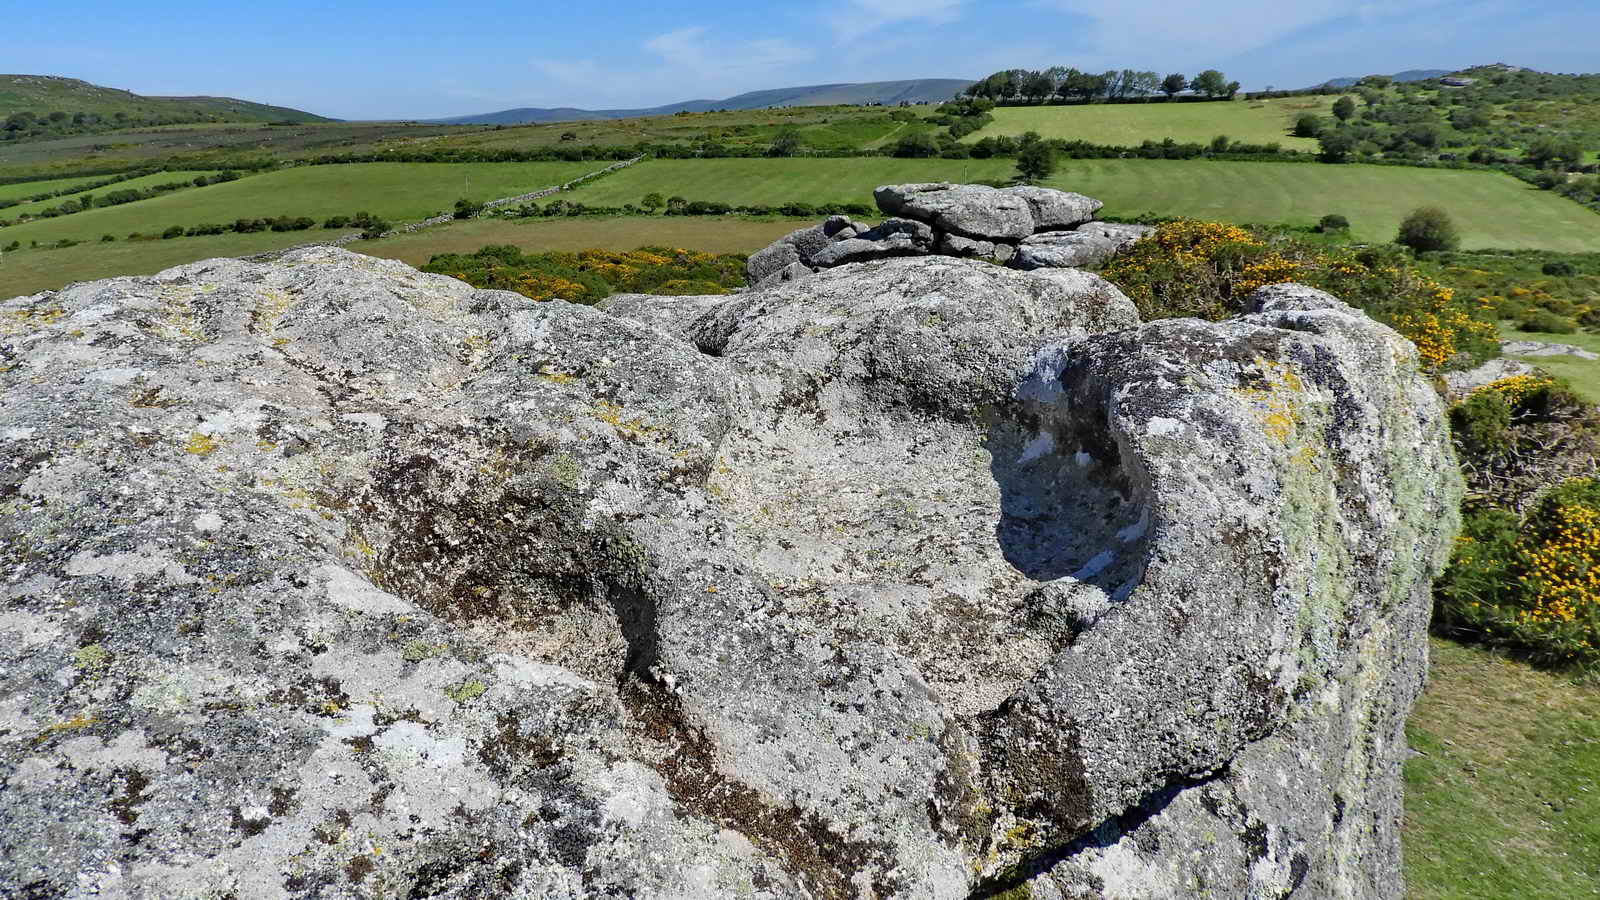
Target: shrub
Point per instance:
(1036, 162)
(1546, 321)
(1207, 269)
(1531, 584)
(466, 209)
(175, 231)
(107, 238)
(1428, 228)
(916, 146)
(1559, 269)
(1333, 222)
(591, 275)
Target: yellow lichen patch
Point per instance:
(76, 723)
(473, 350)
(632, 429)
(17, 321)
(178, 321)
(201, 444)
(269, 312)
(1277, 404)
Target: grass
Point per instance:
(712, 234)
(820, 127)
(30, 188)
(1129, 124)
(30, 271)
(1492, 210)
(1584, 374)
(211, 145)
(768, 181)
(1505, 799)
(132, 184)
(395, 191)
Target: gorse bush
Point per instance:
(1520, 436)
(1525, 573)
(1532, 584)
(1207, 269)
(590, 276)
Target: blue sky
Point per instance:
(403, 59)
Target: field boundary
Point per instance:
(445, 218)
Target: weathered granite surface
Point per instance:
(911, 578)
(1025, 227)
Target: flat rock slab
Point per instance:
(1542, 348)
(970, 210)
(1063, 249)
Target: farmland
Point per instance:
(1492, 210)
(29, 271)
(768, 181)
(212, 145)
(396, 191)
(143, 182)
(1129, 124)
(43, 269)
(32, 188)
(712, 234)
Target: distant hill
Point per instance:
(889, 93)
(1407, 75)
(90, 107)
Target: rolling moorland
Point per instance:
(1500, 803)
(36, 106)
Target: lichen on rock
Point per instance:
(913, 577)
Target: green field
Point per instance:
(29, 271)
(395, 191)
(1583, 374)
(1130, 124)
(46, 269)
(712, 234)
(30, 188)
(1492, 210)
(769, 181)
(132, 184)
(1504, 799)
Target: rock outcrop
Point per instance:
(1025, 227)
(912, 578)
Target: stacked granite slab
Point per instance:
(1023, 227)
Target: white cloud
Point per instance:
(859, 17)
(688, 49)
(1190, 33)
(683, 63)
